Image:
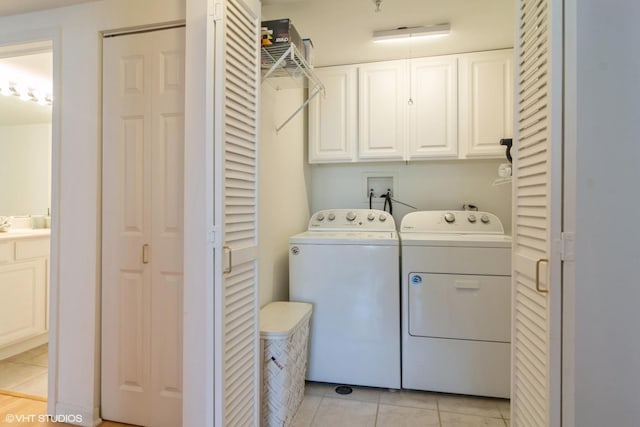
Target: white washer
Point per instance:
(347, 266)
(456, 303)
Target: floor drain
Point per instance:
(344, 389)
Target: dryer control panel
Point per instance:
(352, 220)
(463, 222)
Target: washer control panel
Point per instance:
(464, 222)
(352, 219)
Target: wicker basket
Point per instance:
(284, 332)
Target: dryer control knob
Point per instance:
(484, 219)
(382, 218)
(371, 217)
(472, 218)
(320, 217)
(449, 217)
(331, 216)
(351, 216)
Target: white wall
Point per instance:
(25, 169)
(427, 185)
(604, 112)
(284, 185)
(78, 216)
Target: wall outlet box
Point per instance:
(380, 183)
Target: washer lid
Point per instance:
(371, 238)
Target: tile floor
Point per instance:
(26, 372)
(323, 407)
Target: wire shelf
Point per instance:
(285, 60)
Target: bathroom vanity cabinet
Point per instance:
(24, 289)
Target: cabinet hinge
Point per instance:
(567, 246)
(212, 236)
(214, 9)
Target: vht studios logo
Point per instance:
(42, 418)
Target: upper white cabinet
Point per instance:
(486, 102)
(455, 106)
(433, 108)
(333, 118)
(382, 105)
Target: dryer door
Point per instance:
(468, 307)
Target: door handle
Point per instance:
(145, 253)
(538, 288)
(229, 263)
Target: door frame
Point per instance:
(52, 37)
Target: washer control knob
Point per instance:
(320, 217)
(331, 216)
(382, 217)
(472, 218)
(371, 217)
(484, 219)
(351, 216)
(449, 217)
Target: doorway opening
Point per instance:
(26, 171)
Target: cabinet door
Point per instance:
(22, 306)
(486, 102)
(382, 110)
(333, 120)
(433, 108)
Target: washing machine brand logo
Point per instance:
(295, 250)
(416, 280)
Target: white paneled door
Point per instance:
(537, 199)
(142, 222)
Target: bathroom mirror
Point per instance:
(25, 134)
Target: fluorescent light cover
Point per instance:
(411, 33)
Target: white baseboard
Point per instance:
(77, 415)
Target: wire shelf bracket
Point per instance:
(285, 60)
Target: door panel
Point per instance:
(537, 155)
(143, 144)
(236, 104)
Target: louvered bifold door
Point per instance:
(537, 185)
(236, 108)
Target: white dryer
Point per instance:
(347, 266)
(456, 303)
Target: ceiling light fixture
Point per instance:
(411, 33)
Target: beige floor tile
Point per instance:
(504, 406)
(345, 413)
(16, 373)
(36, 386)
(306, 411)
(29, 354)
(485, 407)
(318, 389)
(39, 360)
(401, 416)
(413, 399)
(450, 419)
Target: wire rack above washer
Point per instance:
(285, 60)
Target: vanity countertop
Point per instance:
(24, 233)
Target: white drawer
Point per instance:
(32, 248)
(6, 251)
